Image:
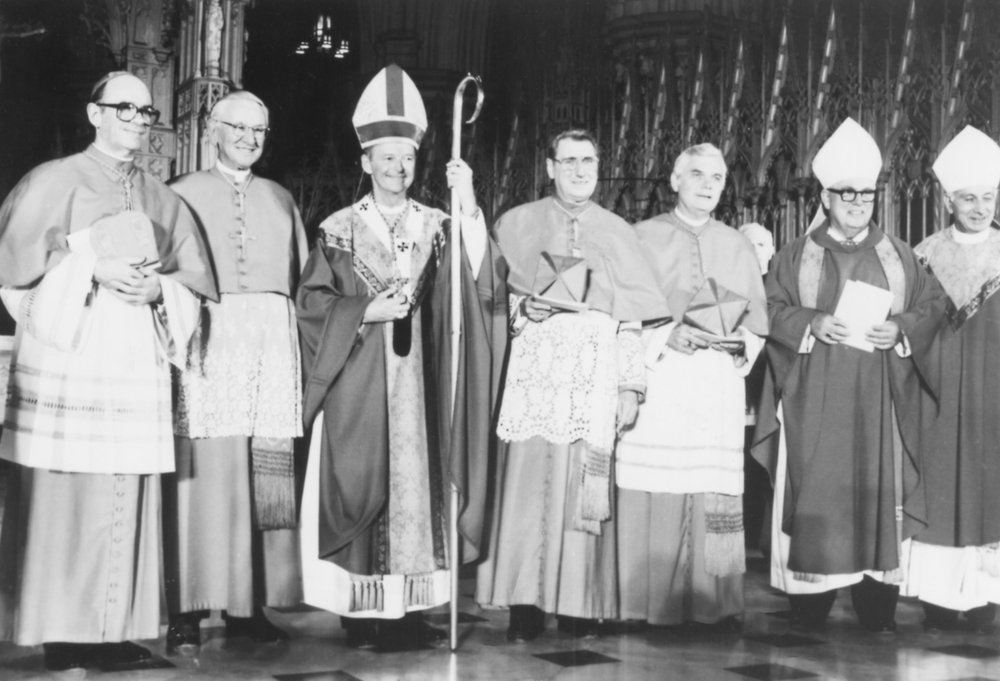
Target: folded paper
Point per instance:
(715, 309)
(561, 281)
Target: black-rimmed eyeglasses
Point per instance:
(127, 111)
(848, 195)
(259, 132)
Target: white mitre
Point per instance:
(849, 153)
(390, 110)
(971, 159)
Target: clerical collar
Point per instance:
(837, 235)
(968, 238)
(238, 175)
(688, 221)
(121, 159)
(574, 209)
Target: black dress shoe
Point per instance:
(937, 618)
(62, 656)
(981, 618)
(416, 628)
(184, 630)
(258, 627)
(526, 623)
(123, 653)
(578, 627)
(362, 632)
(879, 626)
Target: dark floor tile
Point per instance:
(969, 650)
(336, 675)
(785, 640)
(401, 646)
(771, 672)
(443, 619)
(155, 662)
(576, 658)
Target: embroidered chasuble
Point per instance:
(383, 461)
(954, 561)
(840, 404)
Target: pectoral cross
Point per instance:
(241, 247)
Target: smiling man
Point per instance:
(375, 321)
(229, 511)
(573, 383)
(88, 419)
(954, 562)
(680, 470)
(846, 454)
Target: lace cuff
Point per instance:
(631, 352)
(518, 320)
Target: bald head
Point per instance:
(223, 107)
(114, 135)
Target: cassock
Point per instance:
(385, 449)
(680, 468)
(553, 541)
(845, 457)
(88, 415)
(239, 406)
(954, 562)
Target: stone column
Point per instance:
(212, 49)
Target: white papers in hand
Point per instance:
(862, 306)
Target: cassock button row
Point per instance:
(120, 494)
(112, 600)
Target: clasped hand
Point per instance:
(831, 330)
(387, 306)
(128, 279)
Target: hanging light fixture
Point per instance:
(323, 41)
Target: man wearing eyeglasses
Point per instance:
(229, 511)
(573, 383)
(845, 388)
(88, 419)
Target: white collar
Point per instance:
(688, 220)
(237, 175)
(100, 148)
(970, 237)
(837, 235)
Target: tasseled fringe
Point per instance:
(273, 483)
(725, 551)
(593, 503)
(989, 559)
(419, 590)
(367, 593)
(806, 577)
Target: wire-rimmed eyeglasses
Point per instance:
(260, 132)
